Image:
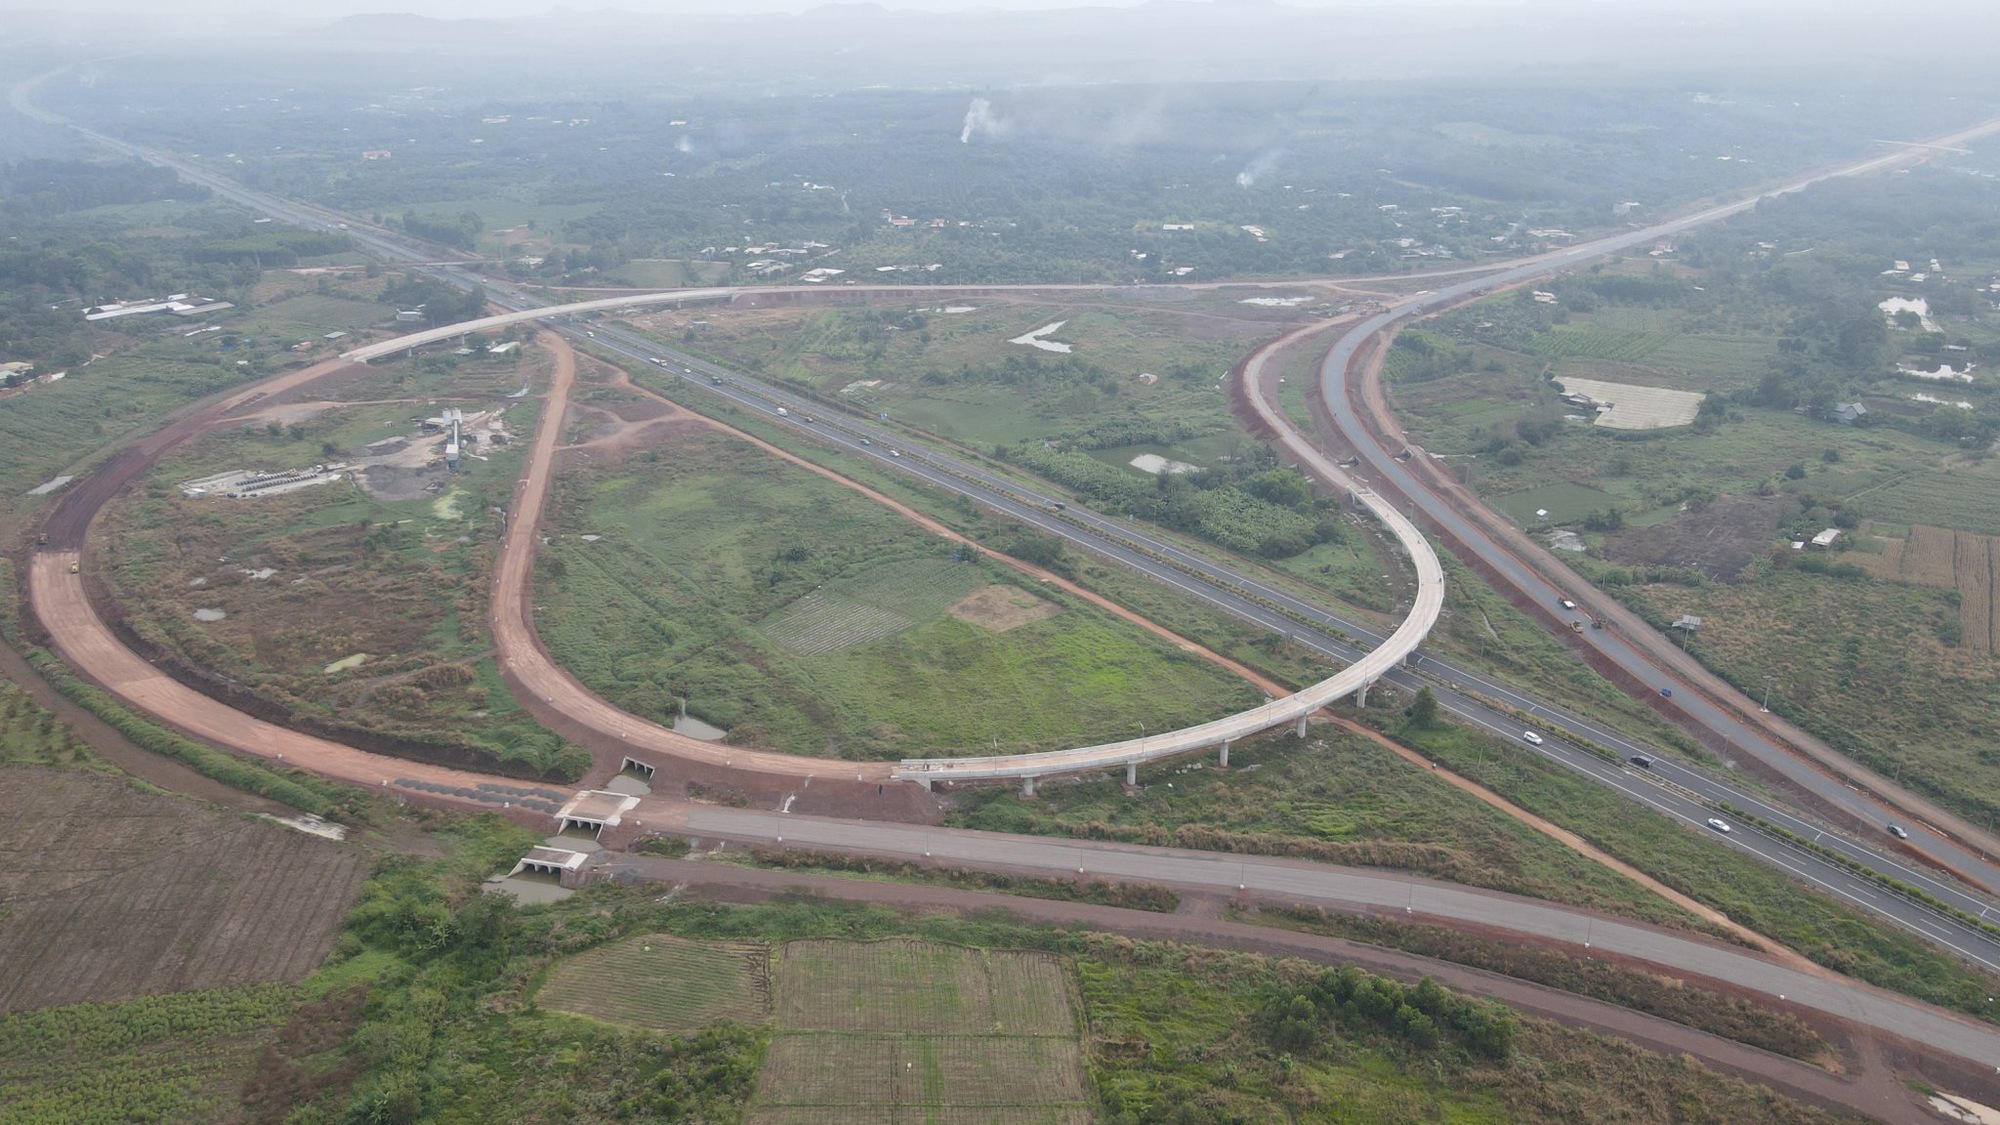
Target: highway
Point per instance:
(1459, 690)
(1338, 367)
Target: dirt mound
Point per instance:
(1719, 540)
(1001, 608)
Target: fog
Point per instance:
(789, 46)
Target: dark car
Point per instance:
(1642, 761)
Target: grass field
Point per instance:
(907, 1030)
(178, 1058)
(665, 983)
(957, 376)
(117, 892)
(800, 616)
(1883, 671)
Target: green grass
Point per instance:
(763, 596)
(180, 1057)
(1863, 664)
(1340, 798)
(1964, 497)
(47, 430)
(32, 733)
(1565, 503)
(956, 376)
(1594, 343)
(661, 982)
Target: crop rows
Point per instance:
(154, 1059)
(920, 588)
(921, 1115)
(1625, 347)
(665, 983)
(817, 624)
(913, 1070)
(826, 985)
(1930, 556)
(1966, 501)
(1975, 591)
(178, 897)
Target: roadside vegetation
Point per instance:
(1883, 645)
(1338, 798)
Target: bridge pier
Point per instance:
(1361, 696)
(1132, 775)
(1301, 731)
(1027, 787)
(1222, 759)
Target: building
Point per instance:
(1849, 413)
(1825, 539)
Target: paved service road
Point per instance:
(1380, 892)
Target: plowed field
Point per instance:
(906, 1030)
(665, 983)
(112, 893)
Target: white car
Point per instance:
(895, 453)
(1718, 825)
(1531, 738)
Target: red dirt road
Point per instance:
(88, 645)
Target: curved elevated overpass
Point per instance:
(1352, 680)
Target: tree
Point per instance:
(1424, 709)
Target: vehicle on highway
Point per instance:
(1667, 692)
(1061, 507)
(1718, 825)
(895, 453)
(653, 359)
(783, 413)
(716, 379)
(590, 334)
(1898, 832)
(865, 441)
(1566, 603)
(1531, 737)
(806, 418)
(1642, 761)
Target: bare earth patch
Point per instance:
(112, 892)
(1720, 540)
(1001, 608)
(1635, 407)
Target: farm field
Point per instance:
(115, 892)
(798, 615)
(664, 983)
(1967, 499)
(908, 1030)
(177, 1058)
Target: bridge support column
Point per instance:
(1222, 759)
(1132, 774)
(1027, 787)
(1301, 731)
(1361, 696)
(925, 782)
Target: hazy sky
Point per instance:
(460, 9)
